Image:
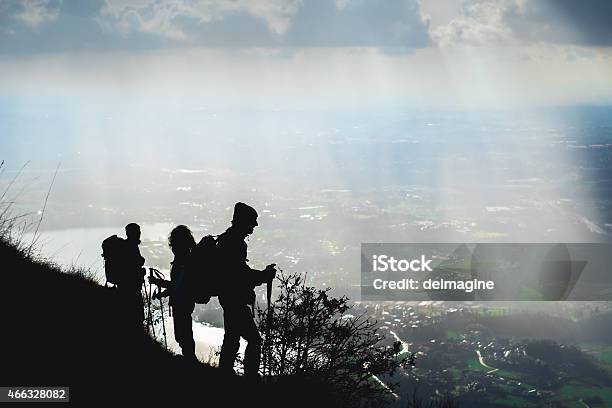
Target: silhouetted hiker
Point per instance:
(237, 292)
(132, 278)
(181, 242)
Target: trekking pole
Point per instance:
(146, 299)
(161, 306)
(150, 315)
(268, 364)
(158, 274)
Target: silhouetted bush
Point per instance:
(311, 335)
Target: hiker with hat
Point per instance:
(238, 292)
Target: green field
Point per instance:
(575, 393)
(476, 366)
(570, 394)
(575, 390)
(603, 354)
(510, 400)
(600, 351)
(513, 401)
(452, 334)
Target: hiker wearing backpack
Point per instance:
(182, 243)
(237, 292)
(132, 277)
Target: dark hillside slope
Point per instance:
(62, 329)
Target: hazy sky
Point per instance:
(478, 53)
(218, 85)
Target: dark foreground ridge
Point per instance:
(62, 329)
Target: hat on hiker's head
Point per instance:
(244, 213)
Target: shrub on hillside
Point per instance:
(309, 334)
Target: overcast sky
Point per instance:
(93, 83)
(476, 53)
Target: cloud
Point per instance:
(480, 23)
(314, 23)
(513, 22)
(145, 24)
(168, 17)
(359, 23)
(48, 26)
(585, 22)
(340, 4)
(30, 12)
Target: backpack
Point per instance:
(202, 278)
(113, 249)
